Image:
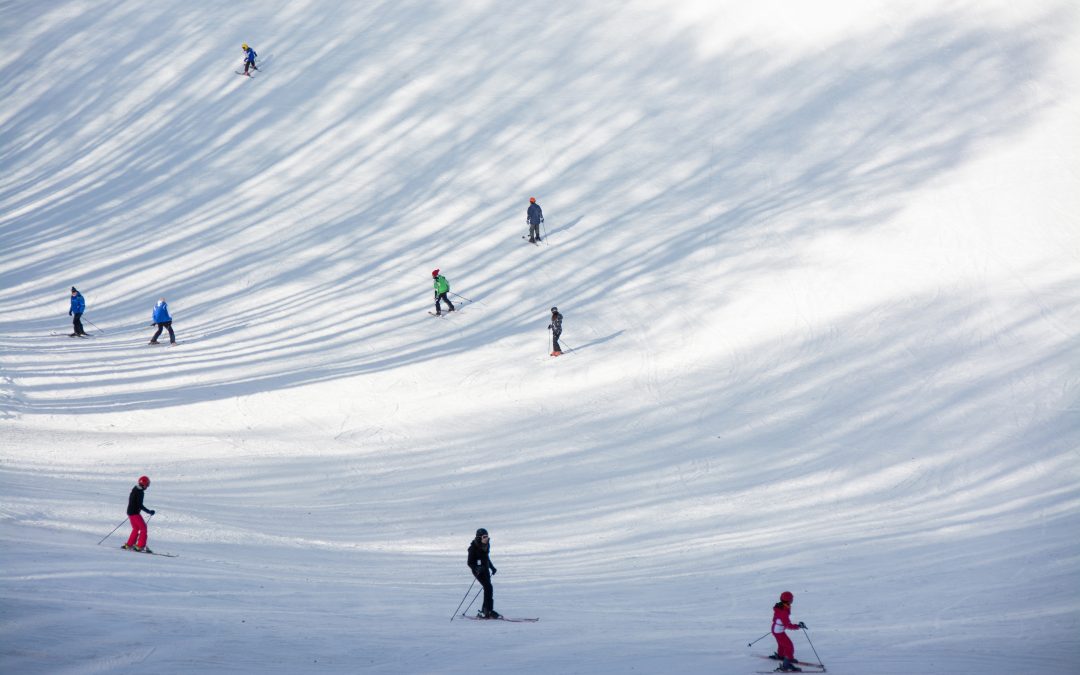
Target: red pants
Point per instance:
(138, 529)
(784, 648)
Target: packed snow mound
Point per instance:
(820, 273)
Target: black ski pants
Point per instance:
(77, 323)
(555, 341)
(160, 326)
(489, 592)
(438, 299)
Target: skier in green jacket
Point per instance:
(442, 287)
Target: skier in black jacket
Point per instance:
(137, 540)
(481, 567)
(556, 330)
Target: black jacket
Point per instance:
(135, 501)
(556, 322)
(479, 562)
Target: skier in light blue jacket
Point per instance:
(163, 321)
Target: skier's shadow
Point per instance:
(597, 341)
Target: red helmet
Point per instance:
(786, 596)
(144, 481)
(532, 200)
(435, 272)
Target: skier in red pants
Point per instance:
(781, 621)
(137, 540)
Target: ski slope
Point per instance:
(820, 273)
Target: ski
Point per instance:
(441, 316)
(803, 670)
(240, 72)
(795, 661)
(534, 243)
(501, 618)
(163, 555)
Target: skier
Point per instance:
(556, 330)
(481, 568)
(442, 287)
(137, 540)
(249, 58)
(78, 306)
(785, 650)
(162, 320)
(534, 216)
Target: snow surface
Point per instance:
(820, 268)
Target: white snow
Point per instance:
(820, 268)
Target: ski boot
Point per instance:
(127, 547)
(788, 667)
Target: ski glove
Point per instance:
(493, 571)
(549, 326)
(802, 625)
(70, 313)
(152, 511)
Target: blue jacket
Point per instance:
(249, 55)
(161, 313)
(535, 215)
(78, 305)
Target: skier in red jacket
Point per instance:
(781, 621)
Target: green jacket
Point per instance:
(441, 285)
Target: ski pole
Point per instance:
(460, 296)
(751, 644)
(110, 534)
(544, 225)
(95, 326)
(463, 599)
(812, 646)
(472, 601)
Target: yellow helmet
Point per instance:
(244, 46)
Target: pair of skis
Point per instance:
(163, 555)
(501, 618)
(814, 667)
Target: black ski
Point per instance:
(795, 661)
(163, 555)
(501, 618)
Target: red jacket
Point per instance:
(781, 618)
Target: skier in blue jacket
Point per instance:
(249, 58)
(162, 320)
(78, 306)
(534, 217)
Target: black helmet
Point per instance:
(554, 309)
(481, 533)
